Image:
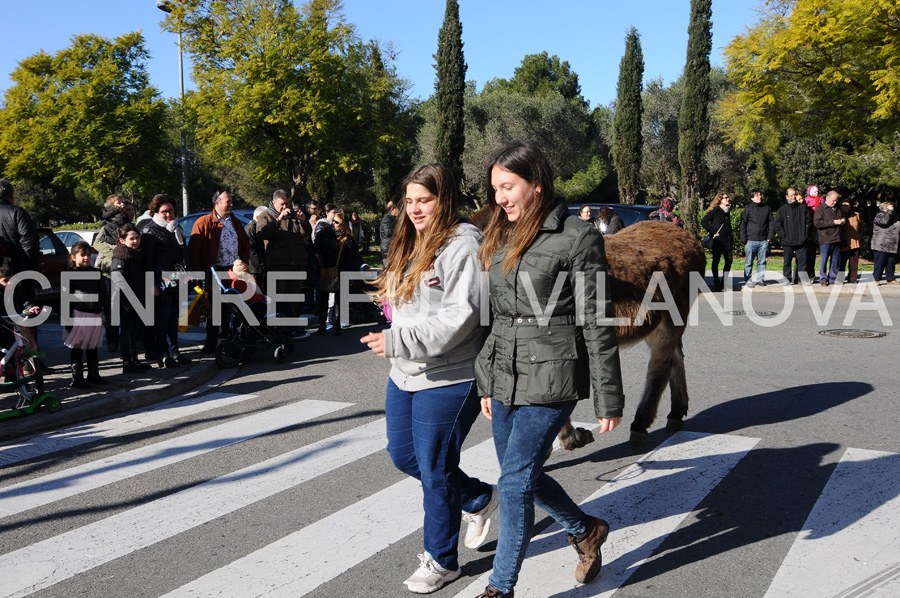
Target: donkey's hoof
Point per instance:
(637, 437)
(582, 438)
(674, 425)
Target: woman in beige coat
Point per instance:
(851, 242)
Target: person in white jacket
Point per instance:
(432, 282)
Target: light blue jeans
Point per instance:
(758, 249)
(522, 436)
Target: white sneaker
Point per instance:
(430, 576)
(480, 522)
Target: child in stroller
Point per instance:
(241, 336)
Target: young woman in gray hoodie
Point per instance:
(432, 282)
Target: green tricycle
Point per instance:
(21, 371)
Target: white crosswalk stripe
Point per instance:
(850, 542)
(355, 534)
(68, 438)
(58, 486)
(643, 504)
(142, 526)
(857, 516)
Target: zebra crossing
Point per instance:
(645, 503)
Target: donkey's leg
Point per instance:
(572, 438)
(678, 390)
(661, 348)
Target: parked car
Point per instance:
(630, 214)
(243, 215)
(70, 237)
(53, 260)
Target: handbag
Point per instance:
(707, 241)
(329, 278)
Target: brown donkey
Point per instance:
(634, 254)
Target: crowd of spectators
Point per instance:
(280, 238)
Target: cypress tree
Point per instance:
(693, 120)
(450, 87)
(627, 138)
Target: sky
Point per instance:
(497, 34)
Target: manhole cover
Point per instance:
(762, 314)
(850, 333)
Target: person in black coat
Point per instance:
(258, 261)
(829, 222)
(19, 242)
(717, 223)
(20, 250)
(793, 223)
(757, 234)
(609, 222)
(83, 325)
(386, 229)
(128, 270)
(165, 253)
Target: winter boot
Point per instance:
(130, 367)
(77, 370)
(93, 367)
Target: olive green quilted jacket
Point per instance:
(544, 346)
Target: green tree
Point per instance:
(817, 66)
(561, 127)
(450, 88)
(819, 77)
(286, 90)
(540, 74)
(86, 117)
(660, 170)
(627, 139)
(693, 120)
(396, 120)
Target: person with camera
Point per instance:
(286, 235)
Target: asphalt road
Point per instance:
(785, 481)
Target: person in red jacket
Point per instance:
(217, 239)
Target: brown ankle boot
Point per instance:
(588, 548)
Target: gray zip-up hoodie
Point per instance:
(433, 339)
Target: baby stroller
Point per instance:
(238, 339)
(22, 372)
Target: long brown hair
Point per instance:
(526, 160)
(344, 226)
(412, 253)
(716, 201)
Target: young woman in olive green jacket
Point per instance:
(545, 352)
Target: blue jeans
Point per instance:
(829, 251)
(758, 249)
(523, 435)
(425, 431)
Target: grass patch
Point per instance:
(775, 263)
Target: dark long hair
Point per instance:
(528, 161)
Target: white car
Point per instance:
(70, 237)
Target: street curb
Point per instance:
(110, 403)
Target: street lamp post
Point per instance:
(166, 6)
